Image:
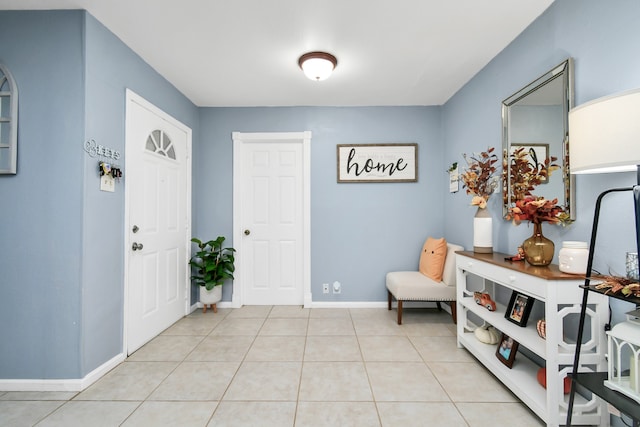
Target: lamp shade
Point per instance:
(605, 134)
(317, 65)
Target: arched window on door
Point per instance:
(8, 122)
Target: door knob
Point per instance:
(136, 246)
(135, 229)
(247, 232)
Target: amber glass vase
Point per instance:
(538, 250)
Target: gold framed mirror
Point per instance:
(535, 128)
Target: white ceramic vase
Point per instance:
(483, 232)
(210, 297)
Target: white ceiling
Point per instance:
(245, 52)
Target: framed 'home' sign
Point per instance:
(377, 162)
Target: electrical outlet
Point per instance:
(325, 288)
(337, 287)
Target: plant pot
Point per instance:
(210, 297)
(538, 250)
(483, 232)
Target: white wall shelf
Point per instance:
(561, 295)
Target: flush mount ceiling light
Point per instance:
(317, 65)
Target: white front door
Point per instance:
(271, 218)
(158, 210)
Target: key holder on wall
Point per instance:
(109, 172)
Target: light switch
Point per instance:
(107, 183)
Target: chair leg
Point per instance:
(454, 313)
(389, 299)
(439, 306)
(399, 312)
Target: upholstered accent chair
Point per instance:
(416, 286)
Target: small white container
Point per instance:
(573, 257)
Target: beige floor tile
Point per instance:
(377, 326)
(284, 327)
(210, 315)
(197, 381)
(334, 382)
(234, 326)
(429, 330)
(82, 414)
(129, 381)
(272, 381)
(250, 312)
(224, 348)
(192, 326)
(38, 395)
(334, 313)
(470, 382)
(372, 313)
(476, 414)
(277, 349)
(166, 348)
(250, 414)
(289, 312)
(332, 349)
(330, 326)
(404, 382)
(25, 414)
(420, 414)
(174, 414)
(440, 349)
(343, 414)
(388, 348)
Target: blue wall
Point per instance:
(602, 37)
(61, 269)
(358, 231)
(41, 261)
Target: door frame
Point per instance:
(132, 97)
(239, 140)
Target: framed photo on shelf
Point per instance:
(519, 308)
(506, 351)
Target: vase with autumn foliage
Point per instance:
(538, 250)
(480, 181)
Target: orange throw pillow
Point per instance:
(434, 253)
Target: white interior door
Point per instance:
(158, 187)
(271, 218)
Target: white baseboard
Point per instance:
(62, 384)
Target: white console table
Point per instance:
(561, 295)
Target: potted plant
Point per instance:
(212, 266)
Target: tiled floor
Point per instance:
(287, 366)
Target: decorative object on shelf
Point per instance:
(624, 346)
(487, 334)
(542, 379)
(632, 265)
(517, 257)
(454, 178)
(480, 181)
(538, 250)
(484, 299)
(618, 286)
(506, 352)
(213, 265)
(519, 308)
(541, 327)
(573, 256)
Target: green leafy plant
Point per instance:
(212, 264)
